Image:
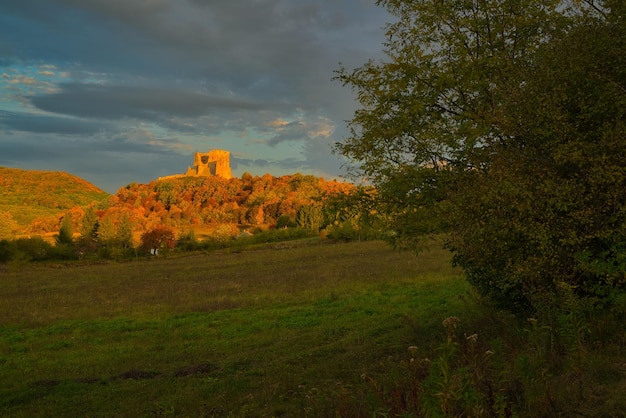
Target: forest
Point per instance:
(182, 212)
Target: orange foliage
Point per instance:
(185, 201)
(180, 203)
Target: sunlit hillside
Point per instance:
(30, 194)
(33, 202)
(194, 202)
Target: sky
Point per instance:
(121, 91)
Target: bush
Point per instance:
(347, 231)
(63, 252)
(34, 248)
(285, 221)
(8, 251)
(188, 241)
(115, 250)
(158, 239)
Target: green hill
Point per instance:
(30, 194)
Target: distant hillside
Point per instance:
(32, 202)
(30, 194)
(246, 201)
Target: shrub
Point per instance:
(7, 251)
(160, 238)
(187, 241)
(35, 248)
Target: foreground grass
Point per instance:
(277, 331)
(295, 329)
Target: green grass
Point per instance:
(293, 329)
(269, 332)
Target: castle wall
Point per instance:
(212, 163)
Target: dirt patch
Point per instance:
(196, 370)
(88, 380)
(136, 375)
(46, 383)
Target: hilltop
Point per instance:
(31, 194)
(35, 201)
(191, 202)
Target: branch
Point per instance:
(597, 8)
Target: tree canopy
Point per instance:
(501, 123)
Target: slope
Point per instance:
(30, 194)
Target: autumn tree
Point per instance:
(501, 123)
(66, 231)
(124, 232)
(89, 224)
(160, 238)
(115, 236)
(89, 231)
(106, 230)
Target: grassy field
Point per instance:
(287, 330)
(293, 329)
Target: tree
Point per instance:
(552, 206)
(353, 215)
(310, 217)
(430, 109)
(89, 231)
(160, 238)
(485, 123)
(89, 224)
(115, 240)
(106, 230)
(66, 231)
(187, 241)
(124, 234)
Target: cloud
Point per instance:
(118, 102)
(28, 122)
(20, 79)
(108, 162)
(132, 83)
(303, 129)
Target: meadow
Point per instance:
(295, 328)
(286, 330)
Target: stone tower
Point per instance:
(212, 163)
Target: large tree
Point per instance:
(431, 107)
(501, 123)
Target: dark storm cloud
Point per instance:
(140, 83)
(269, 48)
(28, 122)
(116, 102)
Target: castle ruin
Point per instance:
(212, 163)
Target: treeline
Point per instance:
(161, 240)
(172, 214)
(191, 201)
(249, 200)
